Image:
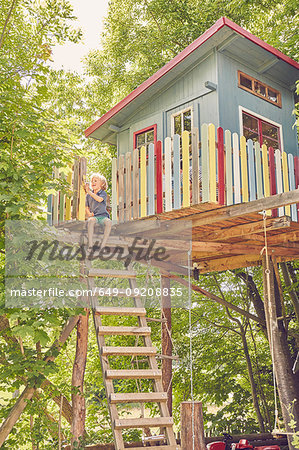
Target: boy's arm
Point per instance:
(87, 212)
(93, 195)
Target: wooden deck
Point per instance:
(223, 237)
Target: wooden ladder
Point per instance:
(164, 421)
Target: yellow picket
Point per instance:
(212, 154)
(142, 182)
(286, 184)
(244, 170)
(68, 200)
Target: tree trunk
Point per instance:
(286, 383)
(252, 382)
(28, 392)
(166, 341)
(289, 284)
(78, 400)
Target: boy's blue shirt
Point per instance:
(99, 209)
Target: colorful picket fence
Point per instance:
(221, 168)
(61, 207)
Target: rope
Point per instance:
(271, 341)
(190, 342)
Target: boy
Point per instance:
(96, 207)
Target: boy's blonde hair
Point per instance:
(101, 178)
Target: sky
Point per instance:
(90, 15)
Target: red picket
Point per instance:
(272, 177)
(159, 183)
(296, 167)
(221, 182)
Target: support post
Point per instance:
(189, 410)
(166, 340)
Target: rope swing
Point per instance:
(190, 342)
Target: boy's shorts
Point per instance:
(101, 219)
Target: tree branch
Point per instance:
(6, 22)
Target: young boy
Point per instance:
(96, 207)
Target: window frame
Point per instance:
(252, 91)
(181, 112)
(144, 130)
(260, 119)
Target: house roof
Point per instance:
(222, 35)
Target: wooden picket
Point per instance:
(228, 170)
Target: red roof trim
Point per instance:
(180, 57)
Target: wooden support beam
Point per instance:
(166, 339)
(192, 429)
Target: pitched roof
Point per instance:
(222, 22)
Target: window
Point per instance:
(145, 137)
(182, 121)
(260, 130)
(259, 89)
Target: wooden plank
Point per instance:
(139, 397)
(244, 170)
(151, 180)
(82, 194)
(258, 171)
(292, 185)
(120, 311)
(221, 178)
(195, 167)
(111, 273)
(135, 183)
(68, 200)
(121, 184)
(212, 163)
(159, 181)
(106, 351)
(278, 173)
(75, 188)
(228, 168)
(114, 190)
(185, 161)
(286, 184)
(143, 181)
(144, 422)
(251, 171)
(266, 176)
(61, 202)
(176, 173)
(128, 186)
(55, 200)
(236, 161)
(205, 160)
(133, 374)
(124, 331)
(167, 175)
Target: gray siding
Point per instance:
(188, 90)
(231, 97)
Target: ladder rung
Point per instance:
(109, 292)
(118, 311)
(133, 374)
(161, 447)
(111, 273)
(124, 331)
(143, 422)
(138, 397)
(128, 351)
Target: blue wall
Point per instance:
(231, 97)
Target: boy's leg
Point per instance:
(108, 224)
(90, 229)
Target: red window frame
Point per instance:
(144, 130)
(260, 129)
